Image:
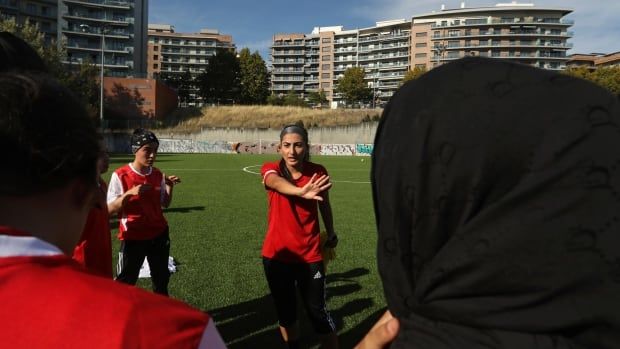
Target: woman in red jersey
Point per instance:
(297, 191)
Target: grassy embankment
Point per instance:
(194, 119)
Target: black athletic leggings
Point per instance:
(156, 251)
(285, 278)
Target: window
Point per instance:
(155, 66)
(420, 55)
(326, 58)
(326, 67)
(325, 75)
(420, 44)
(420, 35)
(326, 40)
(421, 66)
(155, 57)
(326, 84)
(326, 49)
(44, 10)
(155, 48)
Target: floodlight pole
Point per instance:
(101, 75)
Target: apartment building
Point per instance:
(307, 63)
(177, 53)
(521, 32)
(41, 13)
(116, 29)
(594, 60)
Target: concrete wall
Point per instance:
(363, 133)
(349, 140)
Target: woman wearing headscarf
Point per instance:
(497, 198)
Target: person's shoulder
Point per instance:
(270, 166)
(315, 168)
(131, 301)
(122, 170)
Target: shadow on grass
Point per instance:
(253, 324)
(185, 209)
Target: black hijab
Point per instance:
(497, 197)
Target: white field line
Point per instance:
(247, 169)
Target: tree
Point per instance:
(274, 99)
(182, 83)
(353, 87)
(317, 98)
(254, 78)
(292, 99)
(82, 78)
(219, 83)
(607, 77)
(413, 74)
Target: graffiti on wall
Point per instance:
(191, 146)
(363, 149)
(265, 147)
(338, 149)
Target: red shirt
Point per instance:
(94, 250)
(50, 302)
(142, 217)
(293, 224)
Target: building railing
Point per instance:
(495, 21)
(110, 3)
(502, 34)
(288, 43)
(383, 37)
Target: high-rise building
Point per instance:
(41, 13)
(520, 32)
(304, 63)
(120, 26)
(170, 52)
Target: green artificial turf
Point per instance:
(217, 224)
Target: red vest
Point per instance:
(142, 217)
(293, 224)
(50, 302)
(94, 250)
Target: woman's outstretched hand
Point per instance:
(314, 187)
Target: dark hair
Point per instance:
(300, 130)
(46, 135)
(16, 54)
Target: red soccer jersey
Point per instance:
(50, 302)
(142, 217)
(94, 250)
(293, 223)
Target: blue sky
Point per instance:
(252, 23)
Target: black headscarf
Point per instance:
(497, 198)
(140, 137)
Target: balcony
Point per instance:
(514, 33)
(97, 48)
(499, 21)
(288, 43)
(289, 53)
(288, 71)
(112, 20)
(102, 3)
(288, 61)
(96, 32)
(382, 37)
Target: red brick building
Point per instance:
(129, 98)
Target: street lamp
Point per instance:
(86, 28)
